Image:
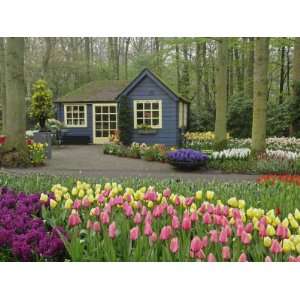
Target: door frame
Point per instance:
(97, 140)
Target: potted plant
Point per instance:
(187, 159)
(146, 129)
(41, 111)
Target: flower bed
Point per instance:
(111, 223)
(23, 234)
(294, 179)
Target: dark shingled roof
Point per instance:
(102, 90)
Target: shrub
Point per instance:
(41, 103)
(125, 121)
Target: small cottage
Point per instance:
(90, 113)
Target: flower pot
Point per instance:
(44, 137)
(147, 131)
(187, 165)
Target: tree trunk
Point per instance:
(116, 58)
(158, 55)
(238, 70)
(248, 81)
(87, 54)
(15, 93)
(198, 74)
(2, 82)
(221, 92)
(260, 90)
(177, 58)
(185, 71)
(46, 58)
(126, 57)
(282, 77)
(288, 70)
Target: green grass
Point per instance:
(266, 196)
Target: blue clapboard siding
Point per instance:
(77, 131)
(148, 89)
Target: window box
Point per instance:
(147, 131)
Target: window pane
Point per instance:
(105, 117)
(98, 134)
(113, 125)
(155, 122)
(98, 125)
(105, 125)
(81, 121)
(155, 105)
(75, 115)
(147, 105)
(98, 118)
(155, 114)
(113, 117)
(75, 108)
(139, 106)
(113, 109)
(105, 109)
(98, 110)
(105, 133)
(139, 121)
(69, 115)
(81, 108)
(148, 121)
(81, 115)
(75, 122)
(69, 122)
(147, 114)
(139, 114)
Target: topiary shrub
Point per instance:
(41, 103)
(125, 121)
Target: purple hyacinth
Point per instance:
(22, 232)
(187, 155)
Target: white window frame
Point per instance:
(136, 102)
(65, 115)
(182, 115)
(185, 114)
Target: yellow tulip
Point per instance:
(287, 245)
(231, 221)
(159, 196)
(74, 191)
(198, 195)
(150, 204)
(58, 196)
(44, 198)
(250, 212)
(107, 186)
(297, 214)
(193, 207)
(120, 188)
(53, 203)
(285, 223)
(296, 239)
(64, 189)
(81, 193)
(294, 223)
(210, 195)
(143, 189)
(233, 202)
(68, 203)
(270, 230)
(241, 204)
(267, 241)
(67, 196)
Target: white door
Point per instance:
(105, 122)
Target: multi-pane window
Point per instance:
(183, 112)
(105, 120)
(75, 115)
(147, 113)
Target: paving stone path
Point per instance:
(89, 161)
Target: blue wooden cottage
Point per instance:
(90, 112)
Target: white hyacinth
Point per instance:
(236, 153)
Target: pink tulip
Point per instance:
(188, 201)
(77, 204)
(236, 214)
(104, 217)
(127, 209)
(223, 238)
(213, 236)
(239, 230)
(165, 233)
(217, 219)
(245, 238)
(148, 218)
(202, 208)
(150, 195)
(74, 220)
(211, 258)
(144, 211)
(134, 233)
(153, 237)
(226, 253)
(210, 208)
(170, 210)
(205, 241)
(275, 247)
(106, 193)
(112, 230)
(224, 221)
(196, 244)
(282, 231)
(225, 211)
(95, 211)
(218, 210)
(249, 228)
(174, 245)
(194, 217)
(158, 211)
(228, 230)
(101, 199)
(85, 203)
(262, 230)
(292, 259)
(199, 254)
(263, 221)
(137, 218)
(268, 259)
(243, 258)
(175, 222)
(186, 223)
(177, 201)
(167, 193)
(96, 226)
(207, 218)
(148, 229)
